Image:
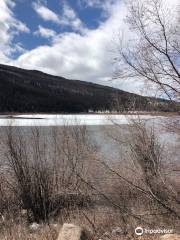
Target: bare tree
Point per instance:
(153, 55)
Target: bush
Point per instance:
(45, 165)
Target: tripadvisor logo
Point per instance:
(140, 231)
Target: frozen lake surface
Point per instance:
(73, 120)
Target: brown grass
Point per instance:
(14, 231)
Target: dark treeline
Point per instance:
(33, 91)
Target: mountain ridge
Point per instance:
(35, 91)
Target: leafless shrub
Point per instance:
(45, 167)
(138, 181)
(8, 201)
(172, 125)
(147, 153)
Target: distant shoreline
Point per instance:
(15, 115)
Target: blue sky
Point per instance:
(75, 39)
(25, 11)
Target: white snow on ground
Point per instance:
(61, 120)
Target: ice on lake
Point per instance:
(73, 119)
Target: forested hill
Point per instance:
(34, 91)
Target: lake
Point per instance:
(102, 129)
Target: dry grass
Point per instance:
(105, 220)
(49, 232)
(14, 231)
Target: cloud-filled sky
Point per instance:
(70, 38)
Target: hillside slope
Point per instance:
(33, 91)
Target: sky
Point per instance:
(70, 38)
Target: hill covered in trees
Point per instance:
(34, 91)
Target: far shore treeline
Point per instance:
(30, 91)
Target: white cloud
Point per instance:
(68, 11)
(45, 32)
(9, 27)
(70, 18)
(45, 13)
(67, 18)
(18, 48)
(91, 3)
(104, 5)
